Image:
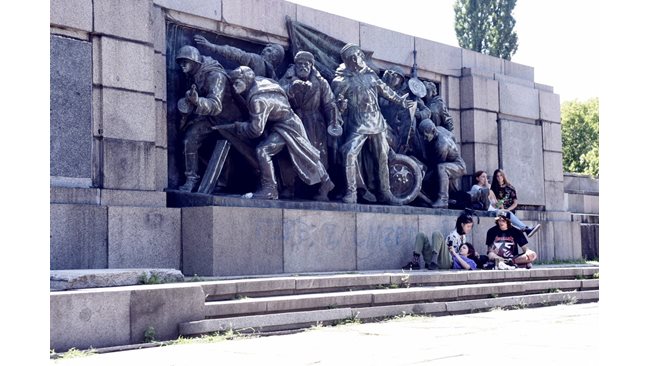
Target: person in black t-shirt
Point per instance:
(504, 243)
(505, 192)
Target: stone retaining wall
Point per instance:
(110, 154)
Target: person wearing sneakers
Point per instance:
(482, 194)
(504, 242)
(437, 251)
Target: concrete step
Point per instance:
(379, 297)
(303, 319)
(235, 288)
(122, 315)
(74, 279)
(289, 303)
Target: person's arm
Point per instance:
(259, 113)
(385, 91)
(492, 254)
(423, 112)
(513, 196)
(211, 104)
(492, 198)
(228, 52)
(447, 121)
(460, 259)
(328, 103)
(489, 241)
(340, 89)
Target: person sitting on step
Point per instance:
(436, 254)
(482, 194)
(503, 242)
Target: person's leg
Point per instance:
(482, 260)
(527, 257)
(427, 250)
(268, 148)
(422, 247)
(517, 223)
(195, 134)
(441, 257)
(350, 151)
(447, 179)
(381, 147)
(484, 197)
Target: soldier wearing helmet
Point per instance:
(263, 64)
(436, 147)
(271, 112)
(439, 112)
(207, 103)
(398, 118)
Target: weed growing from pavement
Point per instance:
(150, 335)
(214, 337)
(405, 280)
(570, 300)
(195, 278)
(354, 319)
(405, 315)
(153, 279)
(72, 353)
(519, 305)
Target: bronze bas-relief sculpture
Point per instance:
(263, 64)
(437, 148)
(307, 116)
(356, 88)
(208, 103)
(271, 115)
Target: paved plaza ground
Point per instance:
(555, 335)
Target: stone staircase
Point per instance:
(274, 304)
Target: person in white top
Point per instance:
(482, 194)
(437, 252)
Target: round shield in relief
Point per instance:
(184, 106)
(417, 87)
(405, 178)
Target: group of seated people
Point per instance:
(506, 242)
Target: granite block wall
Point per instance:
(110, 145)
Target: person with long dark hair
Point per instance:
(481, 196)
(505, 192)
(464, 258)
(485, 195)
(437, 251)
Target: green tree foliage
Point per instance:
(580, 136)
(487, 26)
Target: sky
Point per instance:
(559, 38)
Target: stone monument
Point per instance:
(118, 156)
